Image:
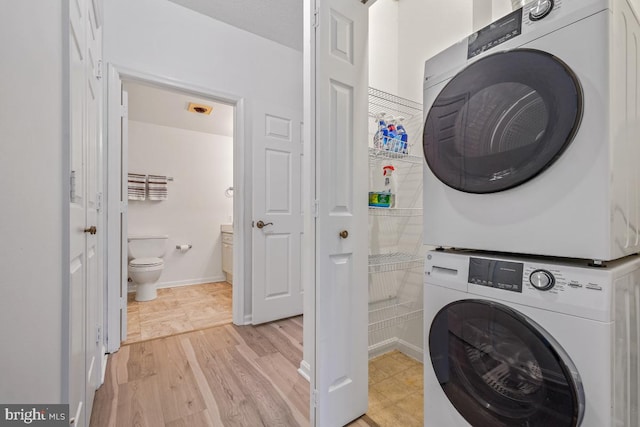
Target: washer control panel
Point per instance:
(528, 277)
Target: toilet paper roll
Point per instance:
(183, 247)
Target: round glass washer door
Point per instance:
(502, 120)
(498, 367)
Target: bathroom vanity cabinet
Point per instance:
(227, 254)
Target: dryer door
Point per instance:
(502, 120)
(499, 368)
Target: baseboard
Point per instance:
(131, 288)
(248, 319)
(305, 370)
(103, 365)
(411, 350)
(402, 346)
(189, 282)
(383, 347)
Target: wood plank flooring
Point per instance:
(222, 376)
(178, 310)
(241, 376)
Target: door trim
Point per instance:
(242, 228)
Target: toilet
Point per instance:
(145, 254)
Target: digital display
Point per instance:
(496, 274)
(495, 34)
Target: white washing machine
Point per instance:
(532, 134)
(530, 342)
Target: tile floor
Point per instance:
(178, 310)
(396, 393)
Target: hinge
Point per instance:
(72, 186)
(98, 334)
(316, 18)
(123, 303)
(124, 111)
(99, 69)
(123, 207)
(315, 208)
(314, 398)
(99, 201)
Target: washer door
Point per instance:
(500, 368)
(502, 120)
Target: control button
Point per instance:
(540, 9)
(542, 280)
(594, 287)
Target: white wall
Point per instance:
(426, 28)
(34, 225)
(160, 38)
(202, 167)
(383, 46)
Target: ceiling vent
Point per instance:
(200, 108)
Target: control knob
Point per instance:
(542, 280)
(540, 9)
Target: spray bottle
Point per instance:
(389, 183)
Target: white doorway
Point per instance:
(181, 146)
(118, 131)
(275, 144)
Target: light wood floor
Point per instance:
(222, 376)
(235, 376)
(177, 310)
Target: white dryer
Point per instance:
(532, 134)
(530, 342)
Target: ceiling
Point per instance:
(163, 107)
(276, 20)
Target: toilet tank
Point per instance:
(147, 246)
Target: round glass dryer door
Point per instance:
(502, 120)
(499, 368)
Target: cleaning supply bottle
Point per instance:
(381, 135)
(391, 127)
(389, 184)
(404, 138)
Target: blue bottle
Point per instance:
(382, 134)
(404, 138)
(391, 141)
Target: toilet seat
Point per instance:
(146, 262)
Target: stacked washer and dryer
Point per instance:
(532, 196)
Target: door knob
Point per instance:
(344, 234)
(91, 230)
(262, 224)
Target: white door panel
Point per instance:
(341, 373)
(77, 295)
(85, 287)
(276, 247)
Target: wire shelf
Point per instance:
(382, 263)
(380, 101)
(394, 315)
(400, 212)
(377, 154)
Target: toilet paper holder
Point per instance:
(184, 247)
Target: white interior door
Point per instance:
(95, 242)
(78, 213)
(117, 102)
(85, 344)
(341, 75)
(277, 213)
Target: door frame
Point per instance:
(241, 205)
